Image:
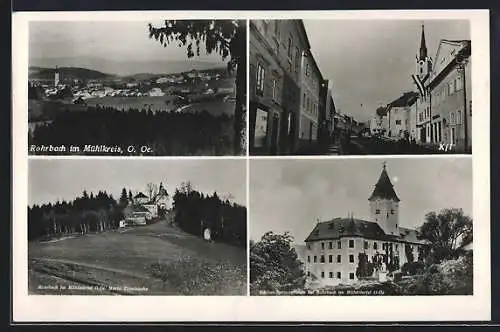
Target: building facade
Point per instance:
(311, 81)
(399, 116)
(449, 89)
(333, 247)
(275, 59)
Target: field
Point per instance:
(160, 104)
(149, 260)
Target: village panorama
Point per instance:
(174, 99)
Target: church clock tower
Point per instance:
(424, 64)
(384, 205)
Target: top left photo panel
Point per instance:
(161, 87)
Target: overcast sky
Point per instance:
(57, 179)
(120, 41)
(370, 61)
(290, 196)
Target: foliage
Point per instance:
(447, 231)
(381, 111)
(412, 268)
(225, 37)
(195, 211)
(87, 213)
(274, 264)
(365, 268)
(166, 133)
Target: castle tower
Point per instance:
(424, 64)
(384, 204)
(56, 77)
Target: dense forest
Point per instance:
(87, 213)
(195, 211)
(165, 133)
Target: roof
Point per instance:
(406, 99)
(384, 188)
(140, 195)
(350, 227)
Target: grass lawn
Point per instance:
(149, 260)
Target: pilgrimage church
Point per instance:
(332, 248)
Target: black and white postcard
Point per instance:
(251, 166)
(158, 87)
(137, 227)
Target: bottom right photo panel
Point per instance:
(361, 226)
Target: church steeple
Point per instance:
(384, 188)
(423, 46)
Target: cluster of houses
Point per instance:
(192, 75)
(439, 111)
(142, 209)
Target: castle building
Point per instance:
(333, 247)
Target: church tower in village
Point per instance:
(56, 77)
(424, 64)
(384, 205)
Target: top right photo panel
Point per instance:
(360, 87)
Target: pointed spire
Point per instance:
(423, 47)
(384, 188)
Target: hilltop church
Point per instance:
(141, 208)
(332, 248)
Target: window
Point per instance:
(396, 246)
(339, 245)
(322, 245)
(260, 80)
(459, 117)
(322, 259)
(458, 83)
(275, 87)
(339, 275)
(351, 243)
(330, 258)
(392, 211)
(322, 274)
(315, 259)
(398, 122)
(452, 118)
(308, 273)
(451, 87)
(365, 245)
(351, 276)
(351, 258)
(339, 259)
(330, 244)
(377, 211)
(330, 275)
(375, 245)
(309, 259)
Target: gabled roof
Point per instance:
(350, 227)
(384, 188)
(406, 99)
(140, 195)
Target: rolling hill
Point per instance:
(67, 73)
(125, 67)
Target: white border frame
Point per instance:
(247, 308)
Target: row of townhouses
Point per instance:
(291, 105)
(439, 112)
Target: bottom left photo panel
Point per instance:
(137, 227)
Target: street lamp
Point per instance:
(461, 65)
